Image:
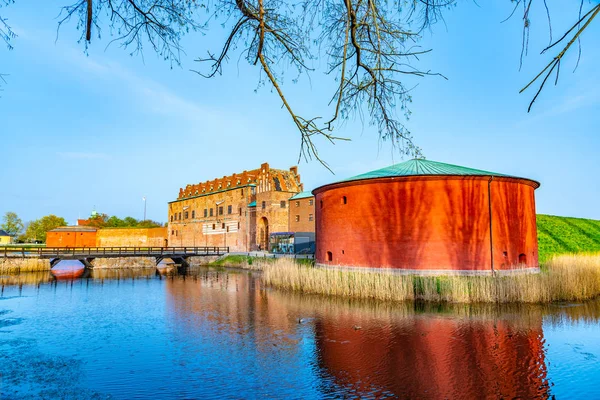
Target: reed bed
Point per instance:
(573, 277)
(18, 265)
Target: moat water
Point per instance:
(220, 334)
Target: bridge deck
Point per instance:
(111, 252)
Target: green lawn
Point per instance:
(557, 235)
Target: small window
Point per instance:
(221, 210)
(214, 226)
(227, 229)
(310, 202)
(176, 233)
(522, 259)
(193, 214)
(344, 200)
(242, 192)
(329, 256)
(185, 215)
(211, 212)
(297, 218)
(253, 190)
(310, 217)
(180, 216)
(205, 213)
(264, 205)
(229, 209)
(297, 203)
(282, 203)
(223, 225)
(238, 225)
(172, 231)
(171, 218)
(240, 212)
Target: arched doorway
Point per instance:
(263, 237)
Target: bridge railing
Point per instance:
(110, 251)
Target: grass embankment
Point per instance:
(565, 278)
(563, 235)
(255, 263)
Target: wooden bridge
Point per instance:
(86, 254)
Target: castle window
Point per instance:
(171, 218)
(344, 200)
(176, 233)
(214, 226)
(264, 205)
(240, 212)
(223, 225)
(238, 225)
(211, 212)
(229, 209)
(522, 259)
(242, 189)
(221, 210)
(282, 203)
(205, 213)
(310, 202)
(297, 203)
(180, 216)
(172, 232)
(297, 218)
(193, 214)
(227, 229)
(185, 215)
(329, 256)
(310, 217)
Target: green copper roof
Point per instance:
(301, 195)
(421, 167)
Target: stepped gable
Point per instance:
(267, 178)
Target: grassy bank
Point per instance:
(563, 235)
(565, 278)
(254, 263)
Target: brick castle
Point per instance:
(241, 211)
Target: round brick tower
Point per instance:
(428, 217)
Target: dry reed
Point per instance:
(17, 265)
(564, 278)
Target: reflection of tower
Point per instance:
(436, 357)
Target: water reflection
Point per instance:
(244, 339)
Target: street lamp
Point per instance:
(144, 200)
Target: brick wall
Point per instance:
(302, 215)
(218, 212)
(70, 239)
(132, 237)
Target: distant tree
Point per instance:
(99, 221)
(12, 224)
(115, 222)
(36, 230)
(130, 222)
(149, 224)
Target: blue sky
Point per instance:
(105, 129)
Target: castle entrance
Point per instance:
(263, 238)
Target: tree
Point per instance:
(36, 230)
(98, 221)
(12, 224)
(148, 223)
(370, 48)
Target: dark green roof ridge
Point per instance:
(422, 167)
